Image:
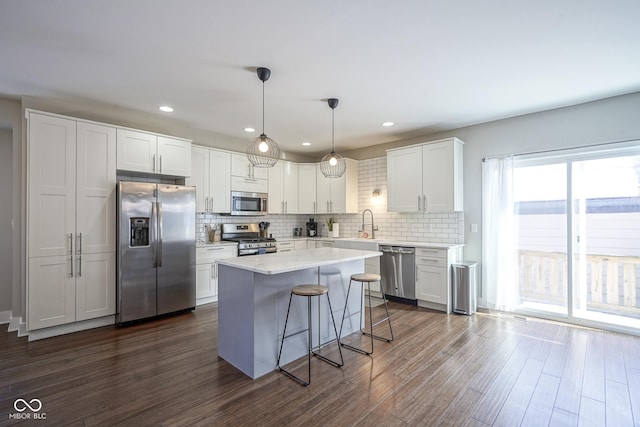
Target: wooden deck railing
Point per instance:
(611, 282)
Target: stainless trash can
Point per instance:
(464, 282)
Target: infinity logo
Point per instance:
(21, 405)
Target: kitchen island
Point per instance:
(253, 295)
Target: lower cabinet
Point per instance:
(291, 245)
(207, 271)
(433, 277)
(286, 245)
(322, 243)
(62, 290)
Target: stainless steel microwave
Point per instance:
(243, 203)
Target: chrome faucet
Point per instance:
(373, 227)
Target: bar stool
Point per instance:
(367, 278)
(310, 291)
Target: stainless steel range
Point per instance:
(248, 238)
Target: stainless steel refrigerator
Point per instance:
(156, 250)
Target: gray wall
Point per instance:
(11, 117)
(608, 120)
(6, 213)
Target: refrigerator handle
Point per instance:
(154, 232)
(159, 260)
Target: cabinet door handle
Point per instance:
(153, 166)
(419, 200)
(211, 200)
(71, 251)
(206, 204)
(428, 260)
(282, 206)
(215, 269)
(80, 256)
(212, 272)
(160, 168)
(286, 207)
(424, 203)
(314, 207)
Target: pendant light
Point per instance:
(333, 165)
(263, 152)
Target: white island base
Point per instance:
(253, 295)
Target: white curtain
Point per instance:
(499, 235)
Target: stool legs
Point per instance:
(371, 324)
(310, 348)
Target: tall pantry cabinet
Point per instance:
(71, 235)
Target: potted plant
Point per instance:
(334, 227)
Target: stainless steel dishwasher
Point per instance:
(398, 270)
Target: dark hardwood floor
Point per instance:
(486, 369)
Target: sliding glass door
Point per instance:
(540, 201)
(606, 240)
(577, 236)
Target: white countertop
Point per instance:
(298, 260)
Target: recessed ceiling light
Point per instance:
(306, 143)
(165, 108)
(387, 124)
(249, 130)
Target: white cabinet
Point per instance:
(207, 270)
(426, 177)
(433, 277)
(307, 188)
(338, 195)
(291, 245)
(321, 243)
(211, 175)
(283, 188)
(71, 220)
(246, 177)
(150, 153)
(286, 246)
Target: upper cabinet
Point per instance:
(283, 188)
(338, 195)
(307, 188)
(246, 177)
(150, 153)
(425, 177)
(211, 175)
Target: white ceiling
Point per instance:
(427, 65)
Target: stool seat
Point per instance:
(309, 290)
(365, 277)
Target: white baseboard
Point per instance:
(39, 334)
(14, 324)
(206, 300)
(22, 330)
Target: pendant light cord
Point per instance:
(263, 107)
(333, 130)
